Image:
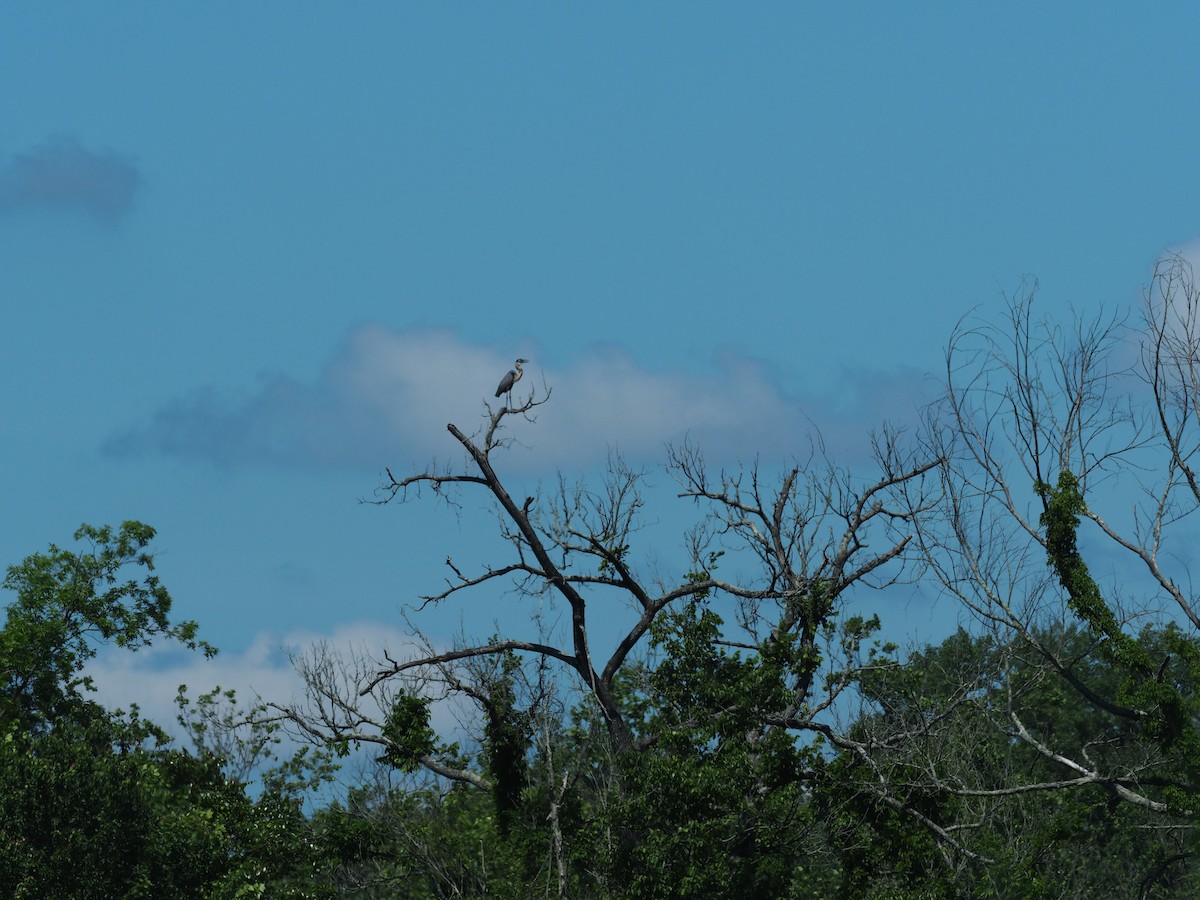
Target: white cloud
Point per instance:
(1189, 250)
(386, 397)
(151, 677)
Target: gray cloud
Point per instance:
(386, 397)
(62, 174)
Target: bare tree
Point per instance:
(802, 541)
(1171, 367)
(1059, 475)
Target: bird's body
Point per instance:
(511, 377)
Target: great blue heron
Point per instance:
(511, 377)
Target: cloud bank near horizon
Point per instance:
(386, 397)
(151, 678)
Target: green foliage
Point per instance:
(705, 809)
(407, 732)
(96, 803)
(414, 840)
(950, 702)
(1170, 716)
(1063, 505)
(67, 603)
(506, 742)
(718, 798)
(246, 742)
(95, 807)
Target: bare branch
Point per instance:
(493, 649)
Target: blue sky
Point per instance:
(250, 254)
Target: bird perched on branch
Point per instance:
(512, 377)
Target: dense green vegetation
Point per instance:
(749, 734)
(96, 802)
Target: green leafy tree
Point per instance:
(1023, 830)
(96, 803)
(68, 604)
(713, 803)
